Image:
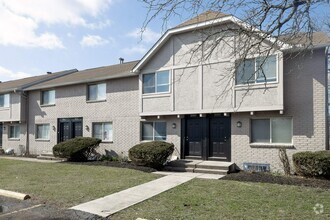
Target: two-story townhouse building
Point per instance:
(228, 113)
(14, 103)
(100, 102)
(209, 108)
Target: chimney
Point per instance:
(121, 60)
(49, 73)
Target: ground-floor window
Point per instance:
(102, 130)
(42, 131)
(14, 131)
(271, 130)
(153, 131)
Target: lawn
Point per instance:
(67, 184)
(224, 199)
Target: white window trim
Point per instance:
(102, 123)
(9, 132)
(36, 132)
(155, 74)
(42, 97)
(153, 131)
(96, 100)
(270, 130)
(255, 73)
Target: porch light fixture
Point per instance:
(54, 128)
(87, 127)
(239, 124)
(174, 126)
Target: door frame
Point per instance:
(205, 136)
(71, 120)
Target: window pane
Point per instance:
(97, 130)
(48, 97)
(51, 94)
(107, 132)
(43, 132)
(92, 92)
(281, 130)
(6, 100)
(101, 91)
(147, 131)
(245, 72)
(45, 99)
(266, 69)
(14, 131)
(149, 83)
(260, 130)
(163, 79)
(2, 100)
(160, 131)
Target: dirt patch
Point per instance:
(127, 165)
(33, 209)
(283, 180)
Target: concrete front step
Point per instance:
(200, 166)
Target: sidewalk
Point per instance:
(118, 201)
(29, 159)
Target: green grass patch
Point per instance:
(222, 199)
(67, 184)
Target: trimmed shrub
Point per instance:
(153, 154)
(312, 164)
(76, 149)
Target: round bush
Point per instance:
(312, 164)
(153, 154)
(76, 149)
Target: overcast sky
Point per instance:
(37, 36)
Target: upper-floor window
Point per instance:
(4, 100)
(153, 131)
(48, 97)
(103, 131)
(42, 132)
(158, 82)
(97, 92)
(271, 130)
(257, 70)
(14, 131)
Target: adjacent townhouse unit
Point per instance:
(212, 108)
(14, 105)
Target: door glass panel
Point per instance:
(147, 131)
(160, 131)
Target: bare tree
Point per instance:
(275, 23)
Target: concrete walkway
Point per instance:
(29, 159)
(118, 201)
(189, 174)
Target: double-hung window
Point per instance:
(102, 131)
(42, 132)
(14, 131)
(158, 82)
(4, 100)
(153, 131)
(48, 97)
(257, 70)
(272, 130)
(96, 92)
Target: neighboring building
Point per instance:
(14, 104)
(200, 105)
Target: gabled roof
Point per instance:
(317, 38)
(89, 75)
(21, 84)
(205, 16)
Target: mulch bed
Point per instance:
(116, 164)
(283, 180)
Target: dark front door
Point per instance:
(194, 137)
(1, 127)
(206, 138)
(69, 128)
(220, 138)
